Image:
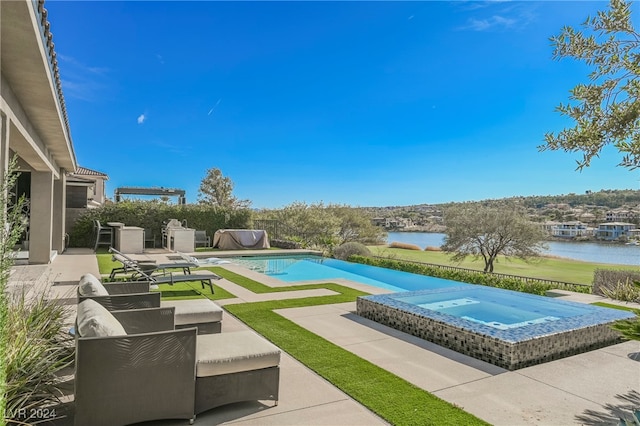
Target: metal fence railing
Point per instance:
(279, 231)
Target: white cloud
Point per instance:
(141, 118)
(80, 81)
(500, 16)
(495, 21)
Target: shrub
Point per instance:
(285, 244)
(627, 291)
(11, 229)
(610, 283)
(39, 350)
(432, 248)
(405, 246)
(352, 248)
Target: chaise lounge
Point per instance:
(205, 277)
(132, 366)
(148, 266)
(201, 313)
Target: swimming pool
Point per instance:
(304, 268)
(506, 328)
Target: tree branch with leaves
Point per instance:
(606, 110)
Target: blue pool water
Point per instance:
(303, 268)
(500, 309)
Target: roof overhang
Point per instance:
(28, 65)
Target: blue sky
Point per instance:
(359, 103)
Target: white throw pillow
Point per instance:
(89, 285)
(94, 320)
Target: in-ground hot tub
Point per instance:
(509, 329)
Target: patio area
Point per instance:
(591, 388)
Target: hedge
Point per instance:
(151, 215)
(491, 280)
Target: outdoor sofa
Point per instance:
(133, 366)
(201, 313)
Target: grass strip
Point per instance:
(192, 290)
(260, 288)
(621, 308)
(389, 396)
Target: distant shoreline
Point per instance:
(554, 239)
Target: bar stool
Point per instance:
(104, 235)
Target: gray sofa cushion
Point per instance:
(94, 320)
(234, 352)
(89, 285)
(195, 311)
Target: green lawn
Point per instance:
(566, 270)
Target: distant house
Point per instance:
(571, 229)
(618, 215)
(392, 222)
(378, 221)
(86, 188)
(587, 217)
(612, 231)
(549, 225)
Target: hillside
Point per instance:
(590, 207)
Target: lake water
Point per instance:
(618, 254)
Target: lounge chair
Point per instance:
(149, 266)
(201, 313)
(132, 366)
(168, 277)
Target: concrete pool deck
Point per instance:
(591, 388)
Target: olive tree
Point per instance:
(323, 225)
(356, 225)
(606, 110)
(486, 232)
(217, 189)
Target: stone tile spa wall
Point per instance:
(505, 354)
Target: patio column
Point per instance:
(4, 143)
(41, 222)
(59, 212)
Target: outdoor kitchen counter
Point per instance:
(181, 239)
(128, 239)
